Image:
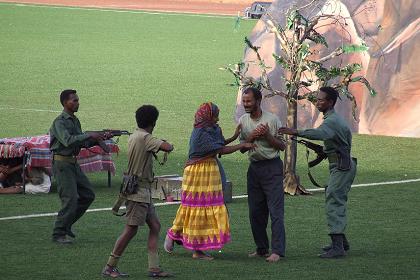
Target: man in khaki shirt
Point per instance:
(264, 176)
(140, 209)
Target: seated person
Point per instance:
(10, 176)
(37, 181)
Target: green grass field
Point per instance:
(120, 60)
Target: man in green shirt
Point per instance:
(74, 188)
(336, 135)
(142, 145)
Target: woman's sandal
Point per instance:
(202, 256)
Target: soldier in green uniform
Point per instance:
(74, 188)
(142, 145)
(336, 135)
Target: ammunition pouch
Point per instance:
(129, 185)
(343, 159)
(332, 158)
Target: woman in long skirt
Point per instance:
(202, 222)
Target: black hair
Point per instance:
(255, 92)
(331, 93)
(146, 116)
(65, 95)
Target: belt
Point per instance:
(144, 184)
(70, 159)
(265, 160)
(332, 158)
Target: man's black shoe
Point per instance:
(71, 234)
(337, 250)
(329, 247)
(346, 245)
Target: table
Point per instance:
(36, 151)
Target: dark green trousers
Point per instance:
(339, 185)
(75, 192)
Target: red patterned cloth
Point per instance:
(11, 151)
(93, 159)
(205, 114)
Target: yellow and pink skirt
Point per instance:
(201, 222)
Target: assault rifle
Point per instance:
(320, 156)
(108, 134)
(318, 149)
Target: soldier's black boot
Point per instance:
(346, 245)
(337, 249)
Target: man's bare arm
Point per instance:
(166, 147)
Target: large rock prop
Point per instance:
(390, 28)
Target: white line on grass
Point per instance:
(29, 109)
(168, 13)
(177, 202)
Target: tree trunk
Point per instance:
(291, 180)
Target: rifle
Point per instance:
(108, 134)
(318, 149)
(320, 156)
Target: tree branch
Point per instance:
(337, 52)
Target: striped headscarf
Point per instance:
(204, 117)
(206, 138)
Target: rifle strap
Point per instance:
(165, 158)
(311, 178)
(117, 204)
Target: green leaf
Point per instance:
(262, 65)
(344, 91)
(321, 40)
(280, 60)
(334, 72)
(372, 91)
(237, 81)
(354, 48)
(258, 84)
(288, 85)
(304, 51)
(318, 38)
(291, 19)
(322, 73)
(356, 79)
(312, 65)
(240, 65)
(311, 97)
(351, 69)
(303, 20)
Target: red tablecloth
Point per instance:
(93, 159)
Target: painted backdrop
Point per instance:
(391, 30)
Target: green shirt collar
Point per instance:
(67, 115)
(329, 113)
